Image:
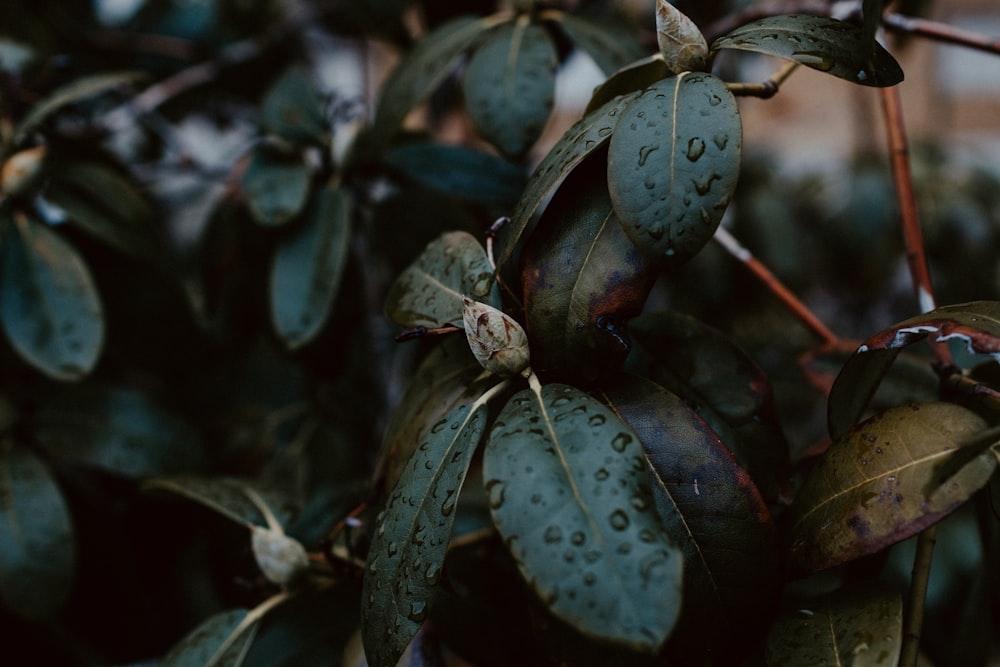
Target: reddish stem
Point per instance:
(940, 32)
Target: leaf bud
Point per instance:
(21, 170)
(280, 558)
(496, 339)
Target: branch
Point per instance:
(766, 89)
(913, 624)
(941, 32)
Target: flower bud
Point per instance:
(497, 341)
(21, 170)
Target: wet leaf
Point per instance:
(510, 86)
(429, 292)
(222, 639)
(49, 306)
(37, 538)
(609, 45)
(724, 385)
(276, 185)
(583, 280)
(977, 324)
(714, 513)
(673, 163)
(226, 496)
(857, 626)
(422, 70)
(408, 549)
(586, 136)
(877, 485)
(307, 268)
(294, 110)
(630, 79)
(569, 493)
(497, 341)
(681, 43)
(824, 44)
(461, 172)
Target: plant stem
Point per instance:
(940, 32)
(918, 597)
(766, 89)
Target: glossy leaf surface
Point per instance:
(569, 492)
(681, 43)
(429, 292)
(49, 306)
(858, 626)
(673, 163)
(75, 91)
(276, 185)
(824, 44)
(221, 639)
(510, 86)
(632, 78)
(408, 549)
(294, 110)
(714, 513)
(461, 172)
(879, 483)
(226, 496)
(610, 47)
(37, 540)
(307, 268)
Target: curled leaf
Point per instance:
(680, 41)
(495, 338)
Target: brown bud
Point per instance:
(496, 339)
(21, 170)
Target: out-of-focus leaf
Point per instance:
(423, 651)
(294, 110)
(222, 639)
(49, 306)
(862, 625)
(37, 538)
(725, 387)
(103, 203)
(569, 492)
(75, 91)
(609, 45)
(276, 185)
(824, 44)
(634, 77)
(977, 324)
(423, 69)
(586, 136)
(510, 86)
(461, 172)
(681, 43)
(407, 552)
(673, 163)
(429, 292)
(307, 269)
(715, 514)
(21, 171)
(122, 430)
(226, 496)
(878, 484)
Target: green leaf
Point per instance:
(49, 304)
(460, 172)
(635, 77)
(429, 292)
(422, 70)
(222, 639)
(569, 492)
(610, 46)
(407, 552)
(75, 91)
(673, 163)
(510, 86)
(681, 43)
(877, 485)
(586, 136)
(276, 185)
(824, 44)
(294, 110)
(862, 625)
(714, 513)
(307, 268)
(37, 540)
(232, 498)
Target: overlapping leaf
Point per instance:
(510, 85)
(636, 76)
(673, 163)
(461, 172)
(294, 110)
(276, 185)
(307, 269)
(610, 46)
(221, 639)
(681, 43)
(226, 496)
(824, 44)
(880, 483)
(569, 492)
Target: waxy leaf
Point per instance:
(871, 11)
(294, 110)
(307, 269)
(461, 172)
(49, 306)
(824, 44)
(510, 86)
(586, 136)
(977, 324)
(630, 79)
(222, 639)
(610, 46)
(276, 185)
(234, 499)
(878, 484)
(673, 162)
(857, 626)
(429, 292)
(569, 492)
(681, 43)
(408, 549)
(714, 513)
(37, 541)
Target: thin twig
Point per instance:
(792, 302)
(420, 332)
(766, 89)
(913, 624)
(940, 32)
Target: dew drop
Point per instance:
(495, 490)
(590, 578)
(559, 401)
(432, 573)
(621, 441)
(578, 538)
(536, 498)
(438, 427)
(569, 557)
(596, 420)
(647, 535)
(392, 549)
(644, 154)
(448, 506)
(552, 535)
(625, 548)
(619, 520)
(601, 475)
(418, 610)
(639, 503)
(696, 147)
(720, 141)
